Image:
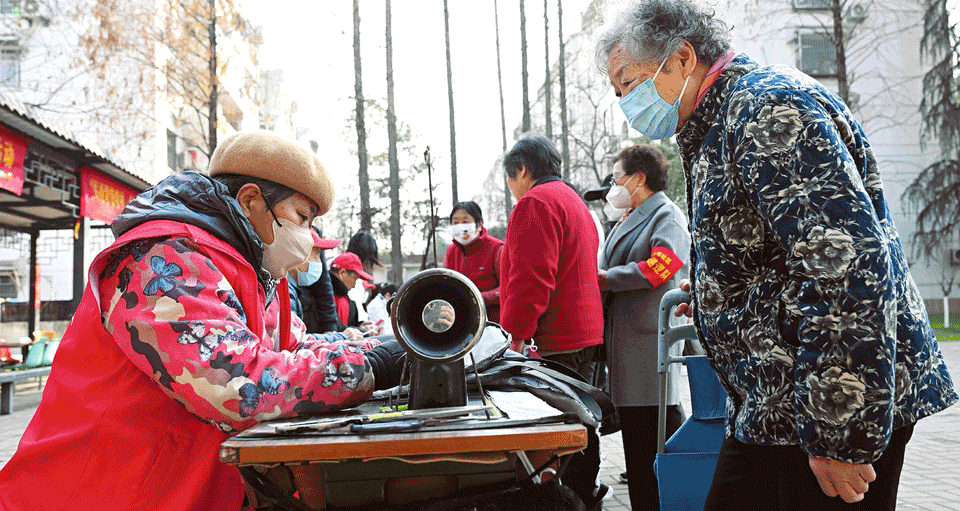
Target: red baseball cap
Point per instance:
(350, 261)
(323, 244)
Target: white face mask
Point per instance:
(464, 234)
(612, 212)
(290, 248)
(619, 197)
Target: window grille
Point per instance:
(812, 4)
(816, 54)
(10, 53)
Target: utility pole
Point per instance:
(432, 237)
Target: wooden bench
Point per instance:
(9, 378)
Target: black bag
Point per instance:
(556, 384)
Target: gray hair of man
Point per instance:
(652, 30)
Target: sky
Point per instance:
(312, 42)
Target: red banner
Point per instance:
(13, 150)
(36, 289)
(102, 198)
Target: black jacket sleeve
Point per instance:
(326, 305)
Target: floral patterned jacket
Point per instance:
(802, 295)
(167, 303)
(180, 339)
(181, 309)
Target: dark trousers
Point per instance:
(584, 467)
(638, 427)
(778, 478)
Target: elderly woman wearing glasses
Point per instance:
(801, 292)
(640, 261)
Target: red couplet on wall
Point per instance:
(102, 198)
(13, 150)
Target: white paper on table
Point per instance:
(521, 405)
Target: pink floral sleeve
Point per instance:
(179, 321)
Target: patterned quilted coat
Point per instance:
(803, 298)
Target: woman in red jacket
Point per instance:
(184, 336)
(475, 254)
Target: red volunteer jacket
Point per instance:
(548, 277)
(133, 418)
(478, 262)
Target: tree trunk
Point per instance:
(396, 254)
(503, 117)
(212, 124)
(842, 86)
(562, 64)
(453, 130)
(546, 74)
(366, 221)
(525, 123)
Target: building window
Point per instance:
(812, 4)
(10, 53)
(816, 54)
(10, 7)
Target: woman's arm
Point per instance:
(669, 252)
(176, 317)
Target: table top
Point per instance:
(260, 444)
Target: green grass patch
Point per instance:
(945, 334)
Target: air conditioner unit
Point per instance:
(30, 15)
(954, 256)
(857, 12)
(30, 7)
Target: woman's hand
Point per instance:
(602, 280)
(684, 309)
(847, 480)
(369, 329)
(353, 334)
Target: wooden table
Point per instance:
(248, 450)
(341, 469)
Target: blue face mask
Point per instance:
(648, 112)
(309, 277)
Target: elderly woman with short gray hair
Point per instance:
(802, 296)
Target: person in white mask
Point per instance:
(476, 254)
(184, 336)
(642, 258)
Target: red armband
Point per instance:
(661, 267)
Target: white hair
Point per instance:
(652, 30)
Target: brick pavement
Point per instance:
(930, 480)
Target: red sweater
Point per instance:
(478, 261)
(548, 277)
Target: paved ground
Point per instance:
(930, 480)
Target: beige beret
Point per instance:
(267, 155)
